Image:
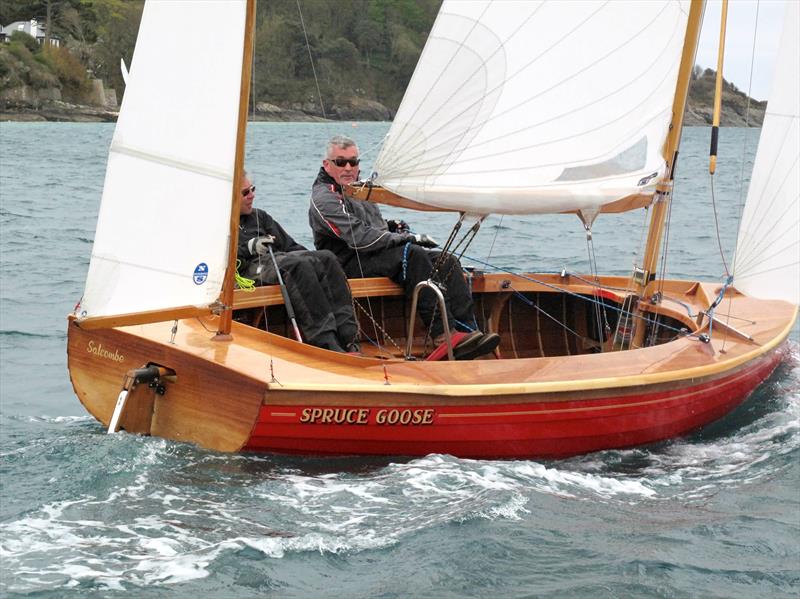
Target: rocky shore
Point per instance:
(58, 112)
(734, 114)
(352, 109)
(64, 112)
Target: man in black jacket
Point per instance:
(368, 246)
(316, 284)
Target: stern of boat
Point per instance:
(200, 402)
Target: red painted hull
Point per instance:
(522, 427)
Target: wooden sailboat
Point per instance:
(632, 360)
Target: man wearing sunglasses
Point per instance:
(369, 246)
(316, 284)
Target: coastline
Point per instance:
(72, 113)
(350, 109)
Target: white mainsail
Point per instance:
(767, 261)
(163, 228)
(523, 106)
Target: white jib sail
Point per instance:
(163, 227)
(523, 106)
(767, 261)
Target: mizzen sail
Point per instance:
(537, 107)
(767, 262)
(163, 227)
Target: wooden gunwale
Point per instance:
(303, 368)
(588, 398)
(270, 295)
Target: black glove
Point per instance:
(424, 240)
(258, 245)
(397, 226)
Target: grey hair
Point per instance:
(339, 141)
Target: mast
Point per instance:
(670, 153)
(226, 297)
(712, 166)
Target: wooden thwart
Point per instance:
(270, 295)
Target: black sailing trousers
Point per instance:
(418, 267)
(318, 291)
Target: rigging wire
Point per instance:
(311, 58)
(244, 283)
(741, 170)
(253, 79)
(601, 319)
(622, 311)
(494, 239)
(563, 325)
(361, 273)
(716, 226)
(662, 275)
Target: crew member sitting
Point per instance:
(316, 284)
(369, 246)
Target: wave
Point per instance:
(144, 512)
(28, 334)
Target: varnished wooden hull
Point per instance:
(263, 392)
(511, 427)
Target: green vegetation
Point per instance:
(24, 62)
(734, 101)
(362, 50)
(94, 35)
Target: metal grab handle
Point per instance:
(442, 308)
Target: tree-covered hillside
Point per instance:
(95, 33)
(363, 51)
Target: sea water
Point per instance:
(84, 514)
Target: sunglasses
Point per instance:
(340, 162)
(247, 190)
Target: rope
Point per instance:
(494, 239)
(525, 300)
(744, 153)
(376, 327)
(601, 317)
(311, 58)
(716, 302)
(586, 299)
(253, 79)
(405, 259)
(716, 226)
(243, 283)
(436, 276)
(664, 253)
(360, 269)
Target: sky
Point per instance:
(739, 42)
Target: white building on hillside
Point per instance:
(32, 28)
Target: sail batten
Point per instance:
(163, 226)
(149, 156)
(511, 95)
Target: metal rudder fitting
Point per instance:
(152, 374)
